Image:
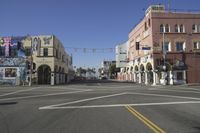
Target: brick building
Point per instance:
(177, 60)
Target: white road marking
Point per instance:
(15, 92)
(193, 89)
(64, 88)
(119, 105)
(160, 95)
(98, 84)
(45, 95)
(153, 89)
(83, 100)
(186, 87)
(174, 90)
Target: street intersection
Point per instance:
(100, 107)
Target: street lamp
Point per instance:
(164, 61)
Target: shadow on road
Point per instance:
(197, 128)
(7, 103)
(93, 81)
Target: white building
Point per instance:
(122, 59)
(105, 66)
(121, 55)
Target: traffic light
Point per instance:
(137, 45)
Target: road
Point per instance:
(100, 107)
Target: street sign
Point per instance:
(146, 48)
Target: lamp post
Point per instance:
(164, 53)
(164, 61)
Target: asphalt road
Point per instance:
(100, 107)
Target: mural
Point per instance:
(6, 42)
(1, 73)
(47, 40)
(12, 62)
(10, 43)
(7, 74)
(10, 72)
(36, 45)
(8, 81)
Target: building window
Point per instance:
(179, 75)
(45, 52)
(56, 53)
(161, 28)
(179, 28)
(182, 28)
(196, 45)
(27, 51)
(13, 52)
(149, 22)
(167, 47)
(166, 28)
(180, 46)
(145, 26)
(63, 58)
(176, 28)
(198, 28)
(194, 28)
(2, 51)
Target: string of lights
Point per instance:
(91, 50)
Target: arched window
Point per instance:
(176, 28)
(166, 28)
(181, 28)
(161, 28)
(145, 26)
(149, 22)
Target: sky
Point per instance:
(93, 24)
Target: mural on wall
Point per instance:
(36, 45)
(10, 72)
(6, 42)
(9, 43)
(13, 67)
(1, 73)
(12, 62)
(47, 40)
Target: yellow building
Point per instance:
(50, 63)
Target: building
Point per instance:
(104, 70)
(12, 61)
(44, 60)
(121, 60)
(164, 47)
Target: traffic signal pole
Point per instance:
(31, 66)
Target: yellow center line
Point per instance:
(147, 122)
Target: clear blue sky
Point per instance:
(79, 23)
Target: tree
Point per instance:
(80, 71)
(112, 71)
